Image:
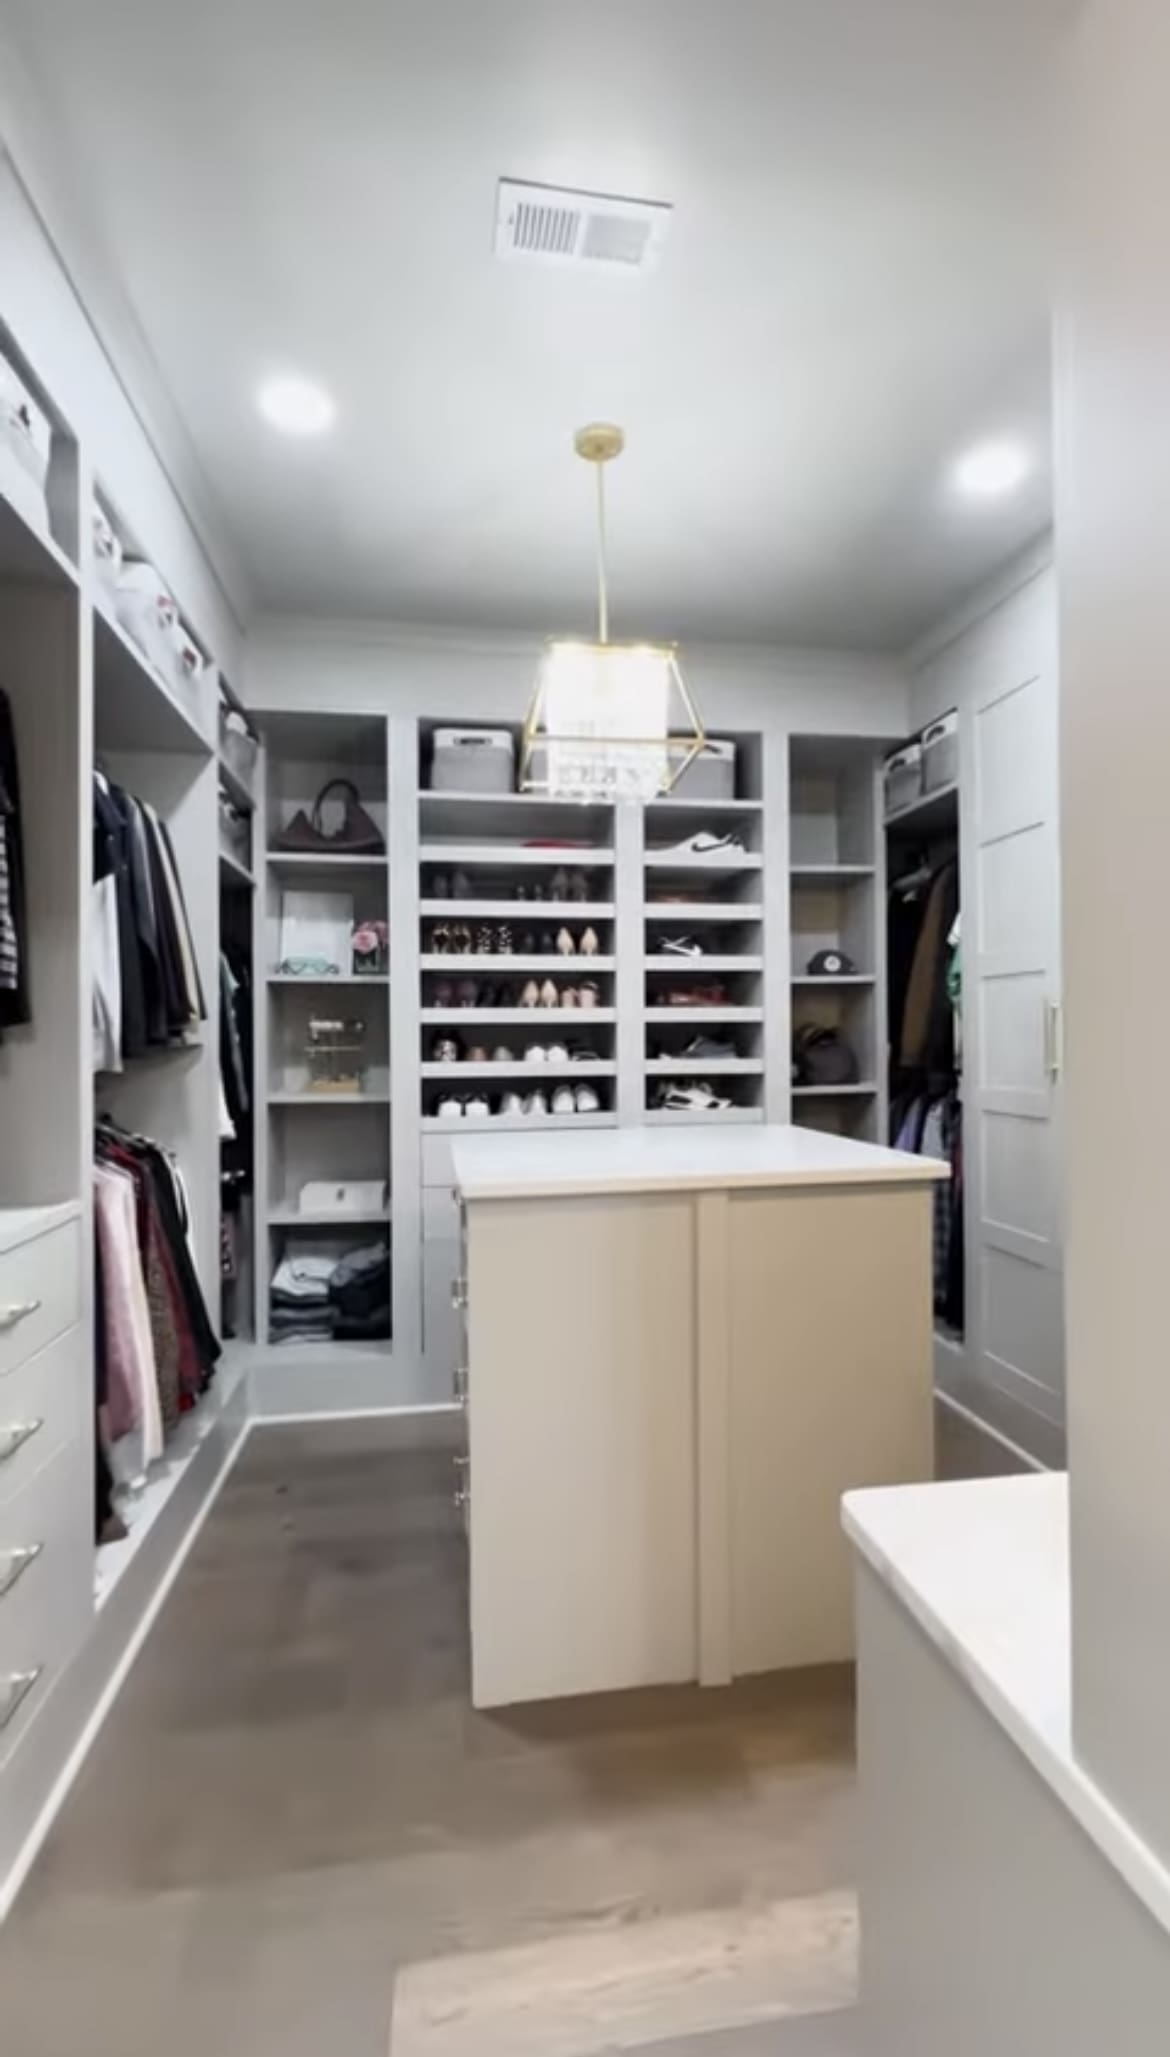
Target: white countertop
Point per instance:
(517, 1166)
(982, 1566)
(20, 1224)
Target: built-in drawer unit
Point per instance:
(40, 1292)
(41, 1403)
(46, 1584)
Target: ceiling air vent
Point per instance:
(555, 225)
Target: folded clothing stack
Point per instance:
(326, 1298)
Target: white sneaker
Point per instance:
(563, 1101)
(536, 1054)
(705, 843)
(588, 1100)
(537, 1102)
(478, 1105)
(512, 1103)
(558, 1053)
(450, 1108)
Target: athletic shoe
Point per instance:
(536, 1054)
(502, 1054)
(449, 1107)
(563, 1101)
(478, 1105)
(694, 1097)
(587, 1099)
(679, 946)
(537, 1102)
(557, 1053)
(709, 1046)
(512, 1103)
(704, 843)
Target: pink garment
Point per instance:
(132, 1400)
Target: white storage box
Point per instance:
(107, 551)
(902, 774)
(238, 746)
(711, 775)
(940, 753)
(26, 439)
(473, 761)
(148, 614)
(186, 666)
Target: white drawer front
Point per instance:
(46, 1585)
(42, 1404)
(40, 1293)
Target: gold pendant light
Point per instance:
(608, 721)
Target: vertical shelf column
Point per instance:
(405, 1057)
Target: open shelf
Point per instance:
(508, 1124)
(556, 912)
(726, 863)
(573, 1018)
(701, 1117)
(698, 967)
(745, 1016)
(134, 707)
(817, 874)
(676, 805)
(233, 873)
(322, 860)
(702, 1067)
(828, 980)
(448, 815)
(28, 553)
(280, 1098)
(853, 1092)
(466, 962)
(296, 1217)
(330, 979)
(516, 857)
(932, 814)
(534, 1069)
(684, 914)
(233, 785)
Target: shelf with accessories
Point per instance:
(508, 1124)
(690, 1117)
(513, 964)
(533, 1069)
(463, 1016)
(836, 935)
(507, 906)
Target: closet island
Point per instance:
(680, 1349)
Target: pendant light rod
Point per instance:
(597, 443)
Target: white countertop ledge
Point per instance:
(517, 1166)
(982, 1566)
(20, 1224)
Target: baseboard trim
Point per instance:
(315, 1418)
(988, 1428)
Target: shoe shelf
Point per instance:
(507, 1124)
(448, 962)
(534, 1069)
(684, 914)
(746, 1016)
(529, 1017)
(233, 873)
(724, 863)
(240, 794)
(830, 874)
(512, 909)
(282, 1217)
(676, 808)
(467, 817)
(515, 857)
(701, 1067)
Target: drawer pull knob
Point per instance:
(18, 1310)
(14, 1689)
(459, 1292)
(14, 1564)
(14, 1434)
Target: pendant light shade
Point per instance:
(608, 721)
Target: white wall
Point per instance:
(383, 668)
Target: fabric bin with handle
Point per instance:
(710, 775)
(940, 753)
(902, 776)
(238, 747)
(26, 441)
(473, 761)
(148, 614)
(107, 551)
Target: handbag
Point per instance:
(822, 1057)
(358, 835)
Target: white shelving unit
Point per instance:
(837, 902)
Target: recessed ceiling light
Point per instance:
(990, 470)
(296, 407)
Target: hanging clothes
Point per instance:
(156, 1349)
(927, 1034)
(147, 992)
(15, 1006)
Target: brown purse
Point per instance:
(358, 836)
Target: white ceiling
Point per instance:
(853, 289)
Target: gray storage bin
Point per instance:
(711, 775)
(473, 761)
(902, 774)
(940, 753)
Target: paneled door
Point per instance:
(1013, 1079)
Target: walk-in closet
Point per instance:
(531, 1028)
